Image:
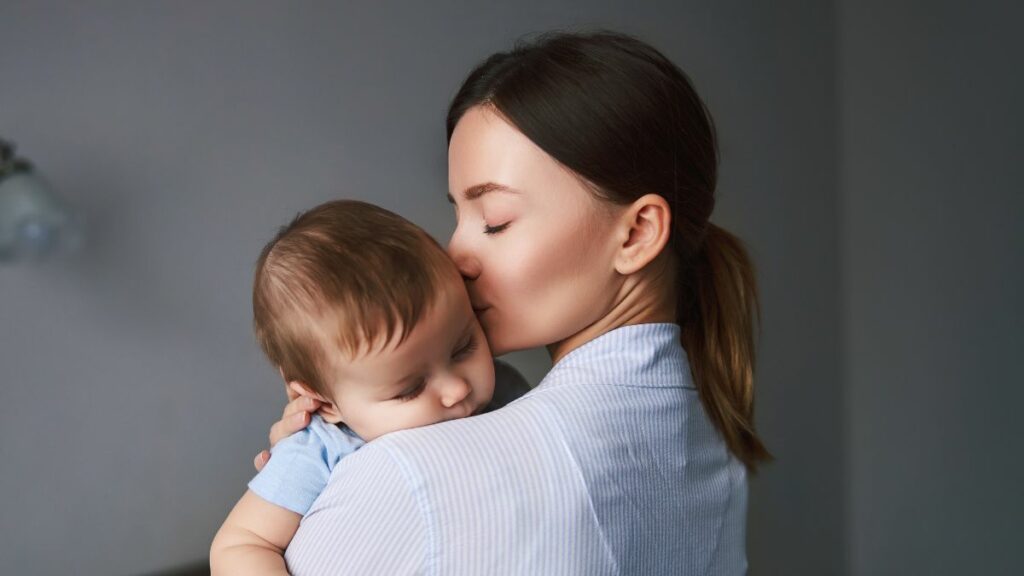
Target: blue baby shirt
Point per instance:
(302, 464)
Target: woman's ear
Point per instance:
(646, 226)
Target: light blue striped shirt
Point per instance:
(609, 466)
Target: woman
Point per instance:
(582, 170)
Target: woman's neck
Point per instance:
(643, 298)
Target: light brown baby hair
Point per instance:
(345, 275)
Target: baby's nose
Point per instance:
(455, 389)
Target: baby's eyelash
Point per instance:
(495, 229)
(466, 350)
(411, 393)
(460, 354)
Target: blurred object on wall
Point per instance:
(34, 222)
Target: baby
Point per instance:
(367, 312)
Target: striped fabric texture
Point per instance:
(609, 466)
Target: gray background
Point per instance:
(871, 157)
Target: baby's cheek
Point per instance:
(487, 377)
(419, 412)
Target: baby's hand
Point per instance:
(295, 417)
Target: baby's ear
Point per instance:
(327, 410)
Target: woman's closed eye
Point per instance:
(495, 229)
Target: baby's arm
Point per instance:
(260, 527)
(253, 538)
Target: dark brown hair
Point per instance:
(342, 276)
(628, 121)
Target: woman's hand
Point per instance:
(295, 417)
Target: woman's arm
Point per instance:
(253, 538)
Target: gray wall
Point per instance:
(933, 249)
(132, 396)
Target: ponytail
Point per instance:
(719, 312)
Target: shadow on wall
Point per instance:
(199, 568)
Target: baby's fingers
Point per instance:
(288, 425)
(261, 459)
(301, 404)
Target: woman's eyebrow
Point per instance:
(474, 192)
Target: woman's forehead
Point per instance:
(485, 147)
(487, 152)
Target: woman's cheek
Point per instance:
(567, 288)
(527, 274)
(522, 270)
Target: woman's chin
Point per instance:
(495, 341)
(505, 337)
(497, 349)
(501, 345)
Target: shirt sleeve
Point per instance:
(369, 520)
(301, 464)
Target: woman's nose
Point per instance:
(454, 389)
(466, 262)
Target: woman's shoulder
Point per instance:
(493, 425)
(484, 441)
(504, 421)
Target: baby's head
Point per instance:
(367, 311)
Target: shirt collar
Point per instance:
(641, 355)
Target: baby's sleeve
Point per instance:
(301, 464)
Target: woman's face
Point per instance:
(534, 244)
